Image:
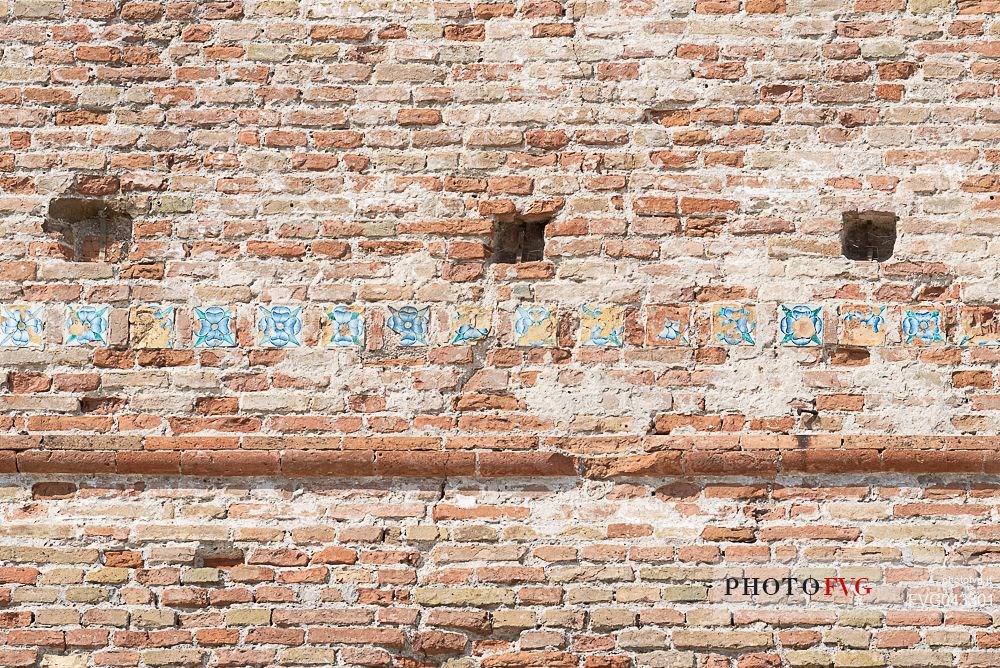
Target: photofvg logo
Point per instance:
(956, 593)
(789, 586)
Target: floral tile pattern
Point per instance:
(979, 326)
(734, 324)
(469, 325)
(87, 325)
(668, 325)
(863, 325)
(534, 326)
(342, 326)
(21, 326)
(801, 325)
(214, 327)
(602, 326)
(152, 326)
(279, 326)
(410, 325)
(922, 327)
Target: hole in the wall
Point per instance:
(89, 229)
(868, 235)
(518, 241)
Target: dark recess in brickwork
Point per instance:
(518, 241)
(89, 229)
(868, 235)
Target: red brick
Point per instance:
(312, 463)
(424, 464)
(497, 464)
(224, 463)
(65, 461)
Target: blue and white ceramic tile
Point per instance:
(979, 326)
(87, 325)
(922, 327)
(410, 325)
(668, 324)
(863, 325)
(279, 326)
(22, 326)
(801, 325)
(535, 326)
(152, 326)
(214, 327)
(342, 326)
(602, 326)
(734, 324)
(469, 325)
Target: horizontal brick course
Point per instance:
(594, 457)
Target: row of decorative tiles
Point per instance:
(533, 325)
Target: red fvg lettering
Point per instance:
(859, 583)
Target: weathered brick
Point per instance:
(711, 388)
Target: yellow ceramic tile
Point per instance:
(152, 326)
(535, 326)
(602, 325)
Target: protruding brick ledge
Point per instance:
(595, 457)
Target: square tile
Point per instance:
(602, 325)
(734, 324)
(342, 326)
(214, 327)
(863, 325)
(979, 326)
(535, 326)
(87, 325)
(922, 327)
(22, 326)
(279, 326)
(469, 325)
(668, 325)
(411, 325)
(801, 325)
(152, 326)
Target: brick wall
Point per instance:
(183, 572)
(274, 391)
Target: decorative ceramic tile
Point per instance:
(279, 326)
(469, 325)
(668, 325)
(863, 325)
(534, 326)
(214, 327)
(979, 326)
(87, 325)
(410, 324)
(922, 327)
(602, 326)
(801, 325)
(21, 326)
(342, 326)
(152, 326)
(734, 324)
